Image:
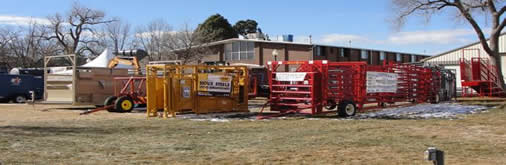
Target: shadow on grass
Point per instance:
(69, 108)
(39, 131)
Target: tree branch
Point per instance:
(503, 9)
(501, 26)
(475, 26)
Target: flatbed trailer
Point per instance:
(347, 86)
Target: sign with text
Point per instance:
(214, 83)
(380, 82)
(290, 76)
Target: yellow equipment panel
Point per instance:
(200, 89)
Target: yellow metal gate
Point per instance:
(200, 89)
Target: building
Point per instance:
(257, 51)
(451, 58)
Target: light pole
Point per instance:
(275, 54)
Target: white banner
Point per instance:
(215, 83)
(290, 76)
(379, 82)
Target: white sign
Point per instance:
(186, 92)
(290, 76)
(215, 83)
(379, 82)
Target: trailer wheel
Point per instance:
(347, 108)
(110, 101)
(331, 104)
(124, 104)
(436, 100)
(19, 99)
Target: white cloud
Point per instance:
(431, 37)
(344, 38)
(153, 33)
(453, 36)
(21, 20)
(301, 39)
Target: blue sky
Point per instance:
(331, 22)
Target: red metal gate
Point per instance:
(313, 85)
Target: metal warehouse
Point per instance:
(450, 59)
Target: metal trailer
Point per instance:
(17, 88)
(128, 93)
(347, 86)
(196, 88)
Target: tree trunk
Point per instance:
(494, 47)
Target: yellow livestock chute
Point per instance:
(200, 89)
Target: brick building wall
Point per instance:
(303, 52)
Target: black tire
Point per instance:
(331, 104)
(437, 99)
(347, 108)
(19, 99)
(124, 104)
(110, 101)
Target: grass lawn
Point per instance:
(66, 138)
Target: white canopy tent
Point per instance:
(101, 61)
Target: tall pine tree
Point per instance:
(216, 28)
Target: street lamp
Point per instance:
(275, 54)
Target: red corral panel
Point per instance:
(479, 76)
(347, 86)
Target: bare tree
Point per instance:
(6, 37)
(152, 38)
(23, 46)
(186, 45)
(74, 31)
(469, 10)
(118, 34)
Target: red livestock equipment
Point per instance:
(347, 86)
(479, 75)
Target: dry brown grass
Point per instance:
(30, 136)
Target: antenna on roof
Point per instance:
(310, 41)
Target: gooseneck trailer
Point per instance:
(311, 86)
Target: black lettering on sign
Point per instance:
(222, 84)
(206, 83)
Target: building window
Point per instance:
(228, 51)
(235, 50)
(398, 57)
(364, 54)
(382, 56)
(244, 50)
(318, 51)
(239, 51)
(413, 58)
(251, 50)
(342, 52)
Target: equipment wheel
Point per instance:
(110, 101)
(436, 100)
(124, 104)
(347, 108)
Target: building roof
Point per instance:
(462, 47)
(298, 43)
